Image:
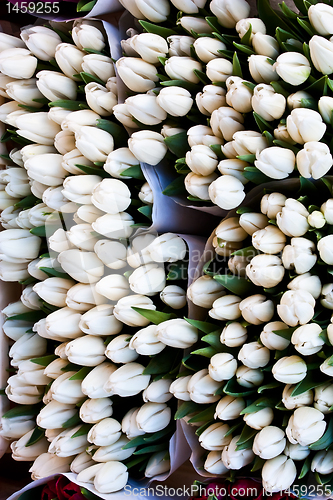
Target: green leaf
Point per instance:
(191, 87)
(259, 404)
(176, 187)
(37, 434)
(151, 438)
(178, 144)
(254, 175)
(53, 272)
(202, 76)
(27, 202)
(285, 334)
(257, 464)
(213, 339)
(92, 170)
(250, 158)
(22, 410)
(244, 48)
(85, 5)
(307, 384)
(72, 422)
(306, 26)
(88, 78)
(158, 30)
(146, 210)
(246, 39)
(204, 416)
(247, 251)
(271, 19)
(81, 374)
(161, 362)
(324, 479)
(187, 408)
(152, 449)
(32, 316)
(155, 317)
(213, 23)
(262, 124)
(326, 440)
(287, 12)
(207, 352)
(39, 231)
(277, 86)
(67, 104)
(236, 67)
(84, 429)
(119, 134)
(235, 284)
(232, 388)
(203, 326)
(306, 467)
(135, 172)
(272, 385)
(246, 438)
(44, 360)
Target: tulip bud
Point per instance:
(325, 106)
(67, 444)
(56, 86)
(225, 122)
(243, 26)
(269, 442)
(79, 188)
(226, 308)
(324, 248)
(128, 380)
(92, 384)
(265, 45)
(276, 162)
(292, 67)
(153, 417)
(146, 109)
(149, 47)
(202, 388)
(233, 459)
(13, 271)
(118, 350)
(84, 267)
(256, 309)
(320, 16)
(157, 464)
(234, 168)
(306, 339)
(213, 438)
(24, 92)
(94, 143)
(99, 99)
(157, 391)
(9, 42)
(114, 225)
(296, 307)
(222, 366)
(99, 66)
(53, 290)
(201, 160)
(261, 69)
(292, 220)
(252, 222)
(60, 350)
(15, 427)
(137, 74)
(15, 329)
(111, 196)
(323, 397)
(208, 48)
(148, 279)
(179, 388)
(233, 335)
(55, 414)
(204, 291)
(47, 464)
(81, 461)
(176, 101)
(322, 462)
(105, 432)
(88, 35)
(95, 410)
(129, 425)
(20, 452)
(278, 474)
(69, 59)
(289, 369)
(249, 377)
(180, 45)
(182, 68)
(27, 346)
(316, 219)
(67, 390)
(254, 355)
(267, 103)
(146, 342)
(308, 282)
(17, 63)
(272, 340)
(37, 127)
(113, 451)
(227, 192)
(119, 160)
(177, 333)
(269, 240)
(86, 351)
(305, 426)
(265, 270)
(107, 477)
(305, 125)
(321, 53)
(212, 97)
(229, 408)
(259, 419)
(147, 146)
(314, 160)
(173, 296)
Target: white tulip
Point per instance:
(177, 333)
(265, 45)
(176, 101)
(322, 462)
(306, 339)
(157, 464)
(323, 397)
(233, 459)
(214, 464)
(269, 442)
(105, 432)
(67, 391)
(148, 279)
(94, 143)
(119, 160)
(314, 160)
(100, 321)
(316, 219)
(243, 26)
(296, 307)
(321, 53)
(259, 419)
(256, 309)
(229, 408)
(81, 461)
(269, 240)
(15, 427)
(308, 282)
(114, 451)
(254, 355)
(222, 366)
(276, 162)
(204, 291)
(289, 369)
(305, 125)
(324, 248)
(305, 426)
(128, 380)
(27, 346)
(212, 97)
(320, 16)
(173, 296)
(13, 271)
(325, 106)
(58, 242)
(201, 160)
(272, 340)
(179, 388)
(265, 270)
(99, 99)
(182, 68)
(202, 388)
(17, 63)
(47, 464)
(54, 369)
(118, 350)
(86, 351)
(146, 109)
(114, 225)
(24, 91)
(37, 127)
(56, 86)
(213, 438)
(249, 377)
(227, 192)
(66, 445)
(95, 410)
(92, 384)
(129, 425)
(292, 67)
(153, 417)
(146, 342)
(261, 69)
(292, 220)
(252, 222)
(15, 329)
(208, 48)
(278, 474)
(219, 69)
(147, 146)
(88, 35)
(99, 66)
(157, 391)
(55, 414)
(226, 308)
(9, 42)
(20, 452)
(137, 74)
(69, 59)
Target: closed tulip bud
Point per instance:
(128, 380)
(173, 296)
(292, 220)
(84, 267)
(320, 18)
(119, 160)
(59, 242)
(79, 188)
(99, 66)
(125, 313)
(56, 86)
(267, 103)
(327, 296)
(261, 69)
(147, 146)
(243, 26)
(64, 142)
(15, 329)
(227, 192)
(281, 134)
(157, 464)
(214, 437)
(27, 346)
(176, 101)
(230, 230)
(256, 309)
(272, 340)
(100, 321)
(269, 442)
(296, 100)
(53, 290)
(118, 350)
(314, 160)
(41, 41)
(252, 222)
(99, 99)
(189, 6)
(129, 425)
(254, 355)
(47, 464)
(259, 419)
(146, 109)
(177, 333)
(222, 366)
(67, 391)
(324, 248)
(269, 240)
(248, 142)
(146, 342)
(88, 213)
(92, 384)
(180, 45)
(13, 271)
(179, 388)
(37, 127)
(306, 339)
(111, 253)
(293, 68)
(208, 49)
(289, 369)
(204, 291)
(238, 95)
(114, 225)
(305, 125)
(31, 373)
(321, 53)
(95, 410)
(157, 391)
(17, 63)
(105, 432)
(66, 445)
(81, 237)
(278, 474)
(113, 451)
(296, 307)
(182, 68)
(233, 335)
(10, 42)
(107, 477)
(69, 59)
(322, 462)
(153, 417)
(202, 388)
(202, 135)
(24, 92)
(229, 13)
(111, 196)
(35, 149)
(137, 74)
(15, 427)
(99, 145)
(212, 97)
(86, 351)
(197, 24)
(214, 464)
(21, 392)
(323, 397)
(325, 106)
(54, 369)
(82, 461)
(225, 122)
(296, 451)
(249, 377)
(201, 160)
(229, 408)
(276, 162)
(60, 350)
(88, 35)
(316, 219)
(233, 459)
(20, 452)
(233, 167)
(308, 282)
(122, 114)
(305, 426)
(55, 414)
(265, 45)
(326, 368)
(167, 248)
(226, 308)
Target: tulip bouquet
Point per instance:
(230, 101)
